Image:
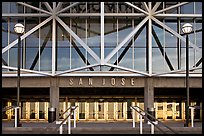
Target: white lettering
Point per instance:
(80, 81)
(123, 81)
(104, 81)
(71, 81)
(90, 81)
(112, 81)
(132, 81)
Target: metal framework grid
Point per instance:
(150, 14)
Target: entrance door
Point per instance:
(120, 112)
(170, 110)
(160, 110)
(100, 110)
(92, 110)
(111, 110)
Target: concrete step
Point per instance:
(98, 130)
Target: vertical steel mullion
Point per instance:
(8, 40)
(86, 29)
(70, 46)
(102, 33)
(150, 46)
(117, 36)
(194, 26)
(133, 46)
(164, 43)
(53, 44)
(39, 42)
(24, 46)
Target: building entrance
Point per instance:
(99, 110)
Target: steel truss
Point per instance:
(149, 14)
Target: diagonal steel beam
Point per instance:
(81, 55)
(127, 69)
(198, 63)
(41, 50)
(4, 62)
(155, 7)
(26, 34)
(146, 7)
(139, 9)
(127, 48)
(171, 7)
(91, 52)
(59, 5)
(48, 6)
(35, 8)
(126, 39)
(27, 70)
(76, 69)
(176, 34)
(70, 6)
(162, 50)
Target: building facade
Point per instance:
(102, 57)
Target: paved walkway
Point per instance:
(87, 127)
(96, 124)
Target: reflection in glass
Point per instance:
(92, 110)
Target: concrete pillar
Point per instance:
(148, 93)
(54, 95)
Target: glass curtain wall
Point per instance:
(80, 48)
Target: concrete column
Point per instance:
(54, 95)
(148, 93)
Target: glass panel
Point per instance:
(110, 110)
(92, 110)
(129, 110)
(5, 7)
(46, 55)
(140, 59)
(23, 111)
(81, 110)
(198, 7)
(188, 8)
(41, 110)
(169, 111)
(30, 10)
(4, 32)
(32, 110)
(160, 111)
(101, 110)
(120, 110)
(15, 7)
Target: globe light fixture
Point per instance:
(187, 28)
(19, 28)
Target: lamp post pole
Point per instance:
(187, 80)
(18, 80)
(19, 29)
(187, 28)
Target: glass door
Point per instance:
(160, 110)
(170, 111)
(81, 109)
(32, 110)
(92, 110)
(111, 111)
(42, 110)
(120, 111)
(100, 110)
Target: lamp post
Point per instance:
(19, 29)
(187, 28)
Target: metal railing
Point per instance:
(153, 123)
(15, 109)
(68, 118)
(192, 108)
